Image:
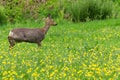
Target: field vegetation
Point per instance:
(70, 51)
(83, 46)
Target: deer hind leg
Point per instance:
(11, 42)
(39, 44)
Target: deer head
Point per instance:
(49, 21)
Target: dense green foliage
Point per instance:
(83, 10)
(75, 10)
(116, 1)
(3, 18)
(85, 51)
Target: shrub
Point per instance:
(94, 9)
(51, 7)
(90, 9)
(116, 10)
(3, 19)
(75, 10)
(106, 10)
(20, 10)
(13, 10)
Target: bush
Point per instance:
(75, 10)
(106, 10)
(3, 19)
(116, 10)
(21, 10)
(51, 7)
(91, 9)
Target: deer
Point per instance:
(30, 35)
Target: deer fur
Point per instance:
(31, 35)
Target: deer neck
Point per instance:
(46, 28)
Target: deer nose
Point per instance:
(55, 24)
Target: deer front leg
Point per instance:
(39, 44)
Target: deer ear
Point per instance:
(44, 19)
(49, 16)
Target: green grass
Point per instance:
(70, 51)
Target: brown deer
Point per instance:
(31, 35)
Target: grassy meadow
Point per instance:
(70, 51)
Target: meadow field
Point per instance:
(70, 51)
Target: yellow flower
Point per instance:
(51, 75)
(5, 78)
(89, 74)
(84, 65)
(111, 79)
(98, 71)
(35, 74)
(22, 75)
(64, 74)
(118, 69)
(5, 73)
(13, 73)
(11, 78)
(3, 62)
(94, 65)
(13, 67)
(51, 67)
(29, 70)
(42, 70)
(66, 69)
(79, 72)
(1, 57)
(36, 68)
(108, 73)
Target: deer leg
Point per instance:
(11, 42)
(39, 44)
